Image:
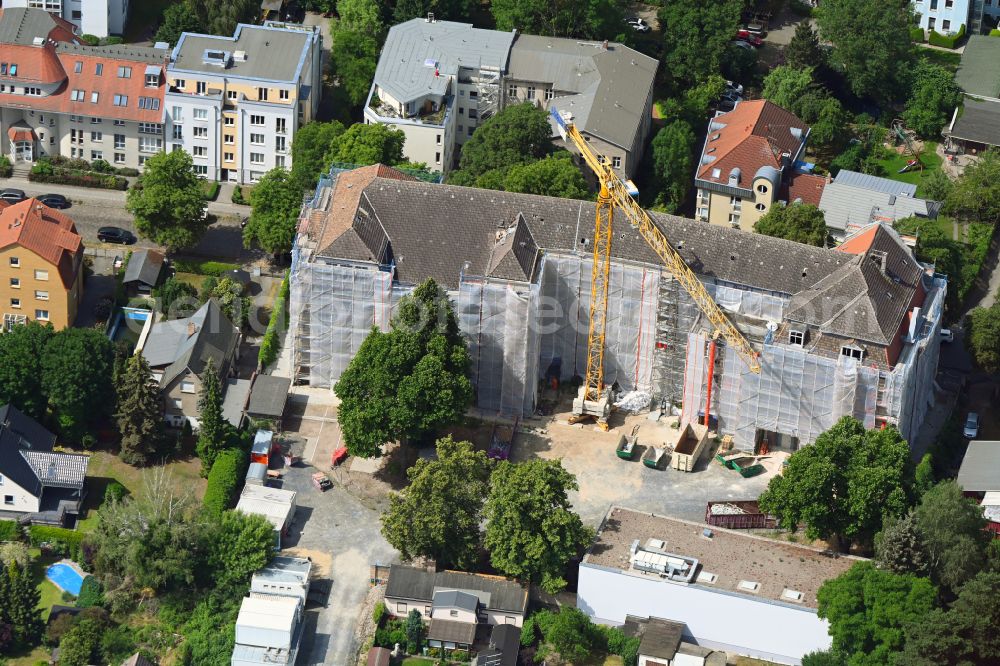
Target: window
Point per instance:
(511, 91)
(255, 176)
(257, 120)
(95, 121)
(96, 155)
(121, 100)
(473, 113)
(437, 158)
(177, 403)
(229, 139)
(150, 128)
(280, 144)
(401, 607)
(1, 479)
(256, 158)
(616, 162)
(228, 157)
(200, 87)
(461, 110)
(78, 67)
(200, 170)
(124, 72)
(97, 136)
(119, 142)
(283, 95)
(262, 94)
(279, 161)
(761, 207)
(15, 262)
(42, 315)
(796, 337)
(76, 95)
(15, 283)
(471, 130)
(99, 69)
(531, 92)
(15, 302)
(152, 80)
(94, 96)
(748, 586)
(13, 69)
(200, 132)
(453, 613)
(279, 125)
(762, 189)
(178, 132)
(199, 114)
(257, 139)
(121, 123)
(200, 151)
(229, 121)
(187, 387)
(178, 114)
(41, 295)
(149, 144)
(8, 500)
(119, 158)
(473, 94)
(437, 140)
(41, 274)
(549, 93)
(151, 103)
(232, 94)
(946, 24)
(851, 352)
(180, 83)
(716, 173)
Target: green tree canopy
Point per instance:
(19, 601)
(177, 18)
(983, 337)
(517, 135)
(953, 531)
(310, 147)
(673, 164)
(531, 531)
(241, 545)
(167, 201)
(276, 200)
(361, 16)
(799, 222)
(786, 85)
(934, 95)
(177, 299)
(552, 176)
(804, 49)
(871, 44)
(353, 57)
(900, 548)
(868, 608)
(844, 484)
(76, 375)
(976, 194)
(140, 417)
(453, 10)
(696, 37)
(213, 435)
(21, 367)
(586, 19)
(365, 144)
(439, 513)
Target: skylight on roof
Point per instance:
(430, 62)
(716, 173)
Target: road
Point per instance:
(95, 208)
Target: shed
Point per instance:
(235, 402)
(980, 470)
(976, 126)
(142, 274)
(239, 276)
(268, 397)
(275, 504)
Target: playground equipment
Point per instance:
(900, 131)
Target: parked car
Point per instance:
(749, 37)
(740, 44)
(115, 235)
(11, 195)
(971, 428)
(735, 87)
(638, 24)
(947, 335)
(755, 28)
(54, 200)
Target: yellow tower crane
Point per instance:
(615, 194)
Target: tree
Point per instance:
(976, 194)
(167, 201)
(900, 548)
(786, 85)
(571, 633)
(15, 551)
(673, 163)
(19, 599)
(220, 17)
(91, 593)
(76, 376)
(455, 10)
(937, 185)
(823, 657)
(414, 631)
(872, 44)
(439, 513)
(213, 436)
(365, 144)
(933, 98)
(228, 293)
(353, 58)
(242, 544)
(80, 644)
(844, 484)
(177, 299)
(804, 49)
(310, 146)
(531, 530)
(21, 367)
(983, 337)
(140, 420)
(276, 200)
(177, 19)
(868, 608)
(517, 135)
(552, 176)
(923, 475)
(227, 474)
(696, 37)
(361, 16)
(799, 222)
(953, 530)
(587, 19)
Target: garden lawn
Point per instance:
(948, 59)
(192, 279)
(104, 466)
(418, 661)
(50, 594)
(930, 159)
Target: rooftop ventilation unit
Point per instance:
(791, 595)
(215, 58)
(38, 41)
(240, 56)
(676, 568)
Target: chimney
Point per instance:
(879, 259)
(605, 45)
(430, 17)
(192, 329)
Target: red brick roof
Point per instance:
(754, 134)
(805, 187)
(47, 232)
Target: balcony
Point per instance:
(426, 115)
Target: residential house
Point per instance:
(853, 201)
(59, 97)
(99, 18)
(974, 127)
(41, 265)
(748, 155)
(660, 644)
(235, 103)
(438, 81)
(945, 17)
(142, 275)
(179, 350)
(268, 630)
(275, 504)
(37, 484)
(456, 605)
(711, 580)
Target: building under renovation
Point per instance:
(846, 331)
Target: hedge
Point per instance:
(946, 41)
(227, 473)
(63, 540)
(10, 530)
(79, 179)
(6, 168)
(917, 34)
(269, 345)
(210, 189)
(200, 267)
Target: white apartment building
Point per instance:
(943, 16)
(91, 17)
(234, 103)
(437, 81)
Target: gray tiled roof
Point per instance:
(190, 343)
(450, 631)
(144, 266)
(847, 207)
(455, 599)
(505, 643)
(979, 121)
(273, 53)
(20, 433)
(980, 470)
(419, 56)
(875, 183)
(268, 396)
(494, 593)
(237, 392)
(20, 25)
(604, 89)
(978, 73)
(146, 54)
(440, 231)
(58, 469)
(661, 638)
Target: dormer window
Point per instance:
(716, 173)
(13, 69)
(852, 352)
(796, 338)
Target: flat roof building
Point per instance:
(275, 504)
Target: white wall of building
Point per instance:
(713, 618)
(92, 17)
(184, 115)
(256, 159)
(15, 498)
(943, 16)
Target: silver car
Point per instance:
(971, 425)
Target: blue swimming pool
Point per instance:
(65, 577)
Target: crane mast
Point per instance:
(615, 194)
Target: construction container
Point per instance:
(738, 515)
(651, 458)
(256, 473)
(688, 446)
(261, 451)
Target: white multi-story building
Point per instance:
(234, 103)
(944, 16)
(91, 17)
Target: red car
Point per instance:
(749, 38)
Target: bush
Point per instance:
(378, 613)
(67, 542)
(115, 491)
(210, 189)
(10, 530)
(946, 41)
(6, 169)
(994, 33)
(237, 196)
(917, 34)
(90, 40)
(200, 267)
(277, 324)
(393, 632)
(45, 172)
(226, 475)
(91, 593)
